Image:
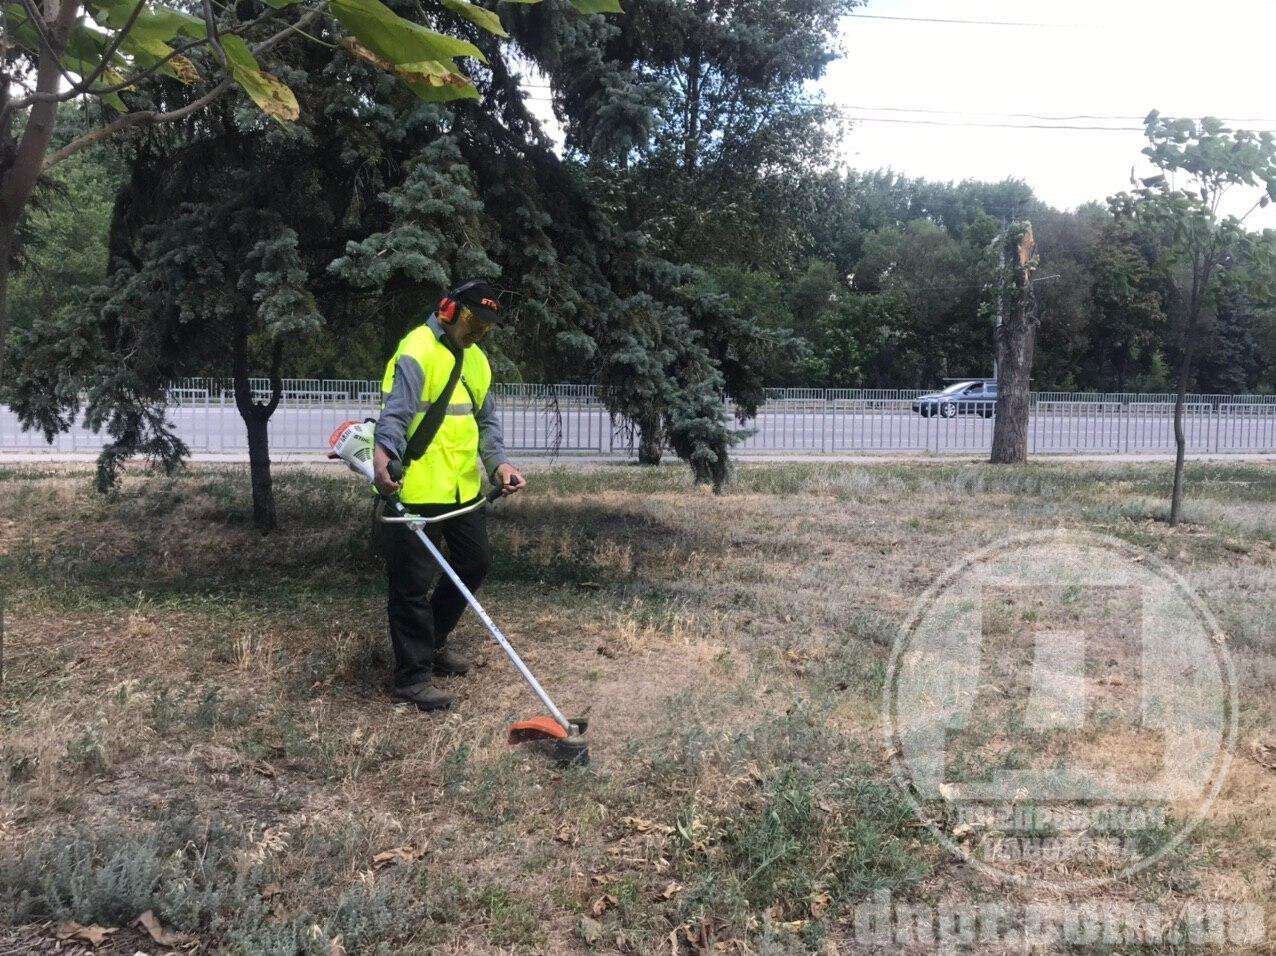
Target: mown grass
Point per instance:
(194, 720)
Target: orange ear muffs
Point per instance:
(447, 310)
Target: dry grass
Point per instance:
(194, 718)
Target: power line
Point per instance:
(971, 23)
(966, 124)
(1045, 117)
(1060, 117)
(962, 124)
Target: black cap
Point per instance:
(480, 298)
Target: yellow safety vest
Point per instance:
(448, 472)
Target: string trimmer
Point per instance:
(352, 443)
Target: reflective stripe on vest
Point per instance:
(456, 408)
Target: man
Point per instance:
(443, 478)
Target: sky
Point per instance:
(1082, 57)
(1091, 57)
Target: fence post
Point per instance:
(824, 419)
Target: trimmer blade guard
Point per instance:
(548, 736)
(545, 727)
(536, 728)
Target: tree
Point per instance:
(1240, 356)
(119, 56)
(1126, 320)
(692, 127)
(929, 319)
(1179, 209)
(63, 238)
(1016, 338)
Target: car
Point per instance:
(960, 398)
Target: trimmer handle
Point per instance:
(395, 468)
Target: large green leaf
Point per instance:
(597, 6)
(268, 92)
(147, 52)
(154, 23)
(432, 80)
(441, 78)
(238, 52)
(392, 37)
(479, 16)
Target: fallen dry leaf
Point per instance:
(602, 904)
(640, 825)
(149, 922)
(672, 889)
(94, 935)
(396, 856)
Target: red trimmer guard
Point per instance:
(536, 728)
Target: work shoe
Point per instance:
(423, 696)
(450, 664)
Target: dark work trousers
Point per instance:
(420, 621)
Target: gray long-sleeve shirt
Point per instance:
(404, 403)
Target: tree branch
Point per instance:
(111, 50)
(210, 22)
(151, 117)
(37, 21)
(276, 382)
(26, 166)
(140, 76)
(142, 118)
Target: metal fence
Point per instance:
(573, 419)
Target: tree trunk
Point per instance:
(23, 161)
(259, 470)
(691, 127)
(1016, 340)
(6, 256)
(1180, 437)
(257, 420)
(651, 439)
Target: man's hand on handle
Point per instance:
(381, 473)
(508, 478)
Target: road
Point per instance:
(218, 430)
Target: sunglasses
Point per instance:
(478, 324)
